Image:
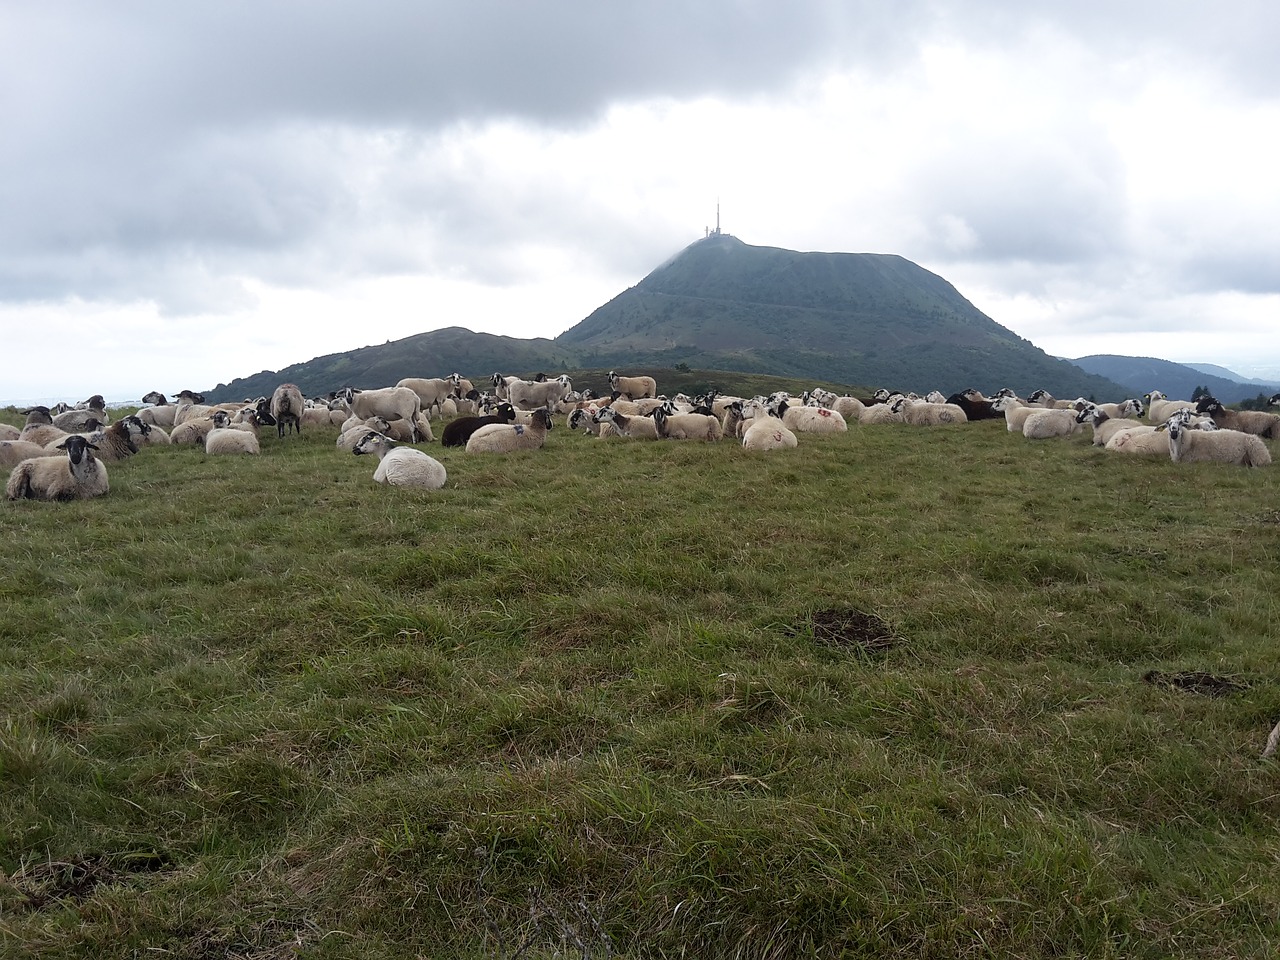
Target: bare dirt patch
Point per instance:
(848, 628)
(1193, 681)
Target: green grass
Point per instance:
(584, 702)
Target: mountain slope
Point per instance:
(1141, 375)
(876, 319)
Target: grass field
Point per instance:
(902, 692)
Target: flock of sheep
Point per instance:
(61, 455)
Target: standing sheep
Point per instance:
(286, 408)
(401, 466)
(633, 388)
(392, 403)
(80, 476)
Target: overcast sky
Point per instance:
(196, 191)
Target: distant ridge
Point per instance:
(1141, 375)
(870, 320)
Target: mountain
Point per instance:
(1222, 372)
(1141, 375)
(859, 319)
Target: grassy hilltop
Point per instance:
(900, 692)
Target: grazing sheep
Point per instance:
(808, 419)
(1258, 422)
(1051, 422)
(459, 431)
(632, 427)
(686, 426)
(1214, 446)
(767, 432)
(633, 388)
(401, 466)
(391, 403)
(13, 452)
(506, 437)
(78, 477)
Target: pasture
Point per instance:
(900, 692)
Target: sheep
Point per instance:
(767, 432)
(1258, 422)
(506, 437)
(116, 442)
(401, 466)
(808, 419)
(1125, 408)
(39, 428)
(1046, 400)
(1051, 422)
(975, 405)
(161, 411)
(1214, 446)
(686, 426)
(928, 413)
(1015, 412)
(83, 419)
(80, 476)
(155, 437)
(13, 452)
(1273, 400)
(587, 419)
(195, 430)
(392, 403)
(432, 392)
(457, 433)
(1140, 441)
(286, 408)
(9, 432)
(879, 412)
(323, 416)
(230, 440)
(1159, 409)
(632, 427)
(355, 430)
(633, 388)
(532, 394)
(1106, 426)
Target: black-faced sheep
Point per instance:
(401, 466)
(78, 476)
(1258, 422)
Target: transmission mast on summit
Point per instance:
(716, 231)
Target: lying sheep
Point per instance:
(78, 476)
(229, 439)
(1257, 422)
(808, 419)
(1160, 409)
(928, 413)
(587, 420)
(194, 430)
(686, 426)
(459, 431)
(353, 434)
(13, 452)
(1214, 446)
(116, 442)
(1051, 422)
(1015, 412)
(767, 432)
(401, 466)
(84, 419)
(631, 427)
(1106, 426)
(507, 437)
(39, 428)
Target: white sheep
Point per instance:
(1214, 446)
(229, 439)
(9, 432)
(1052, 422)
(767, 432)
(78, 476)
(632, 427)
(401, 466)
(1125, 408)
(1258, 422)
(686, 426)
(808, 419)
(392, 403)
(879, 413)
(1015, 411)
(928, 413)
(432, 391)
(633, 388)
(587, 420)
(1106, 426)
(507, 437)
(355, 429)
(13, 452)
(1160, 409)
(536, 394)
